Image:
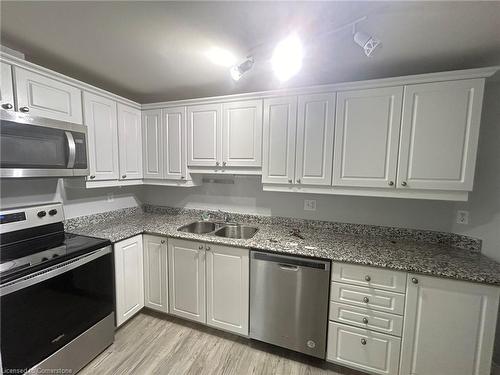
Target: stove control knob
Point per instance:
(44, 259)
(52, 212)
(55, 255)
(41, 214)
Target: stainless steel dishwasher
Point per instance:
(289, 302)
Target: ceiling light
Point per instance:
(368, 42)
(237, 71)
(287, 57)
(222, 57)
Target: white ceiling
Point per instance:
(154, 51)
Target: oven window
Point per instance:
(27, 146)
(42, 318)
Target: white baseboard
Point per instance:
(495, 368)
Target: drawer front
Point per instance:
(363, 349)
(366, 318)
(369, 276)
(370, 298)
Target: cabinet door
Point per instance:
(366, 137)
(174, 143)
(6, 87)
(129, 279)
(439, 135)
(186, 279)
(47, 97)
(155, 273)
(101, 120)
(314, 153)
(227, 288)
(204, 135)
(129, 142)
(280, 125)
(449, 327)
(152, 143)
(242, 134)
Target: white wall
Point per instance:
(77, 202)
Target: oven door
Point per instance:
(44, 311)
(38, 147)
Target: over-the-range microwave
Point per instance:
(33, 146)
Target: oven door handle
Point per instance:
(48, 273)
(71, 148)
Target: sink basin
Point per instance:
(236, 231)
(198, 227)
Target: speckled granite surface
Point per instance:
(426, 252)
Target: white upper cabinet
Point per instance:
(47, 97)
(155, 273)
(129, 142)
(186, 279)
(204, 135)
(6, 87)
(280, 125)
(228, 288)
(129, 278)
(174, 143)
(152, 143)
(367, 137)
(449, 327)
(242, 134)
(439, 135)
(101, 120)
(315, 128)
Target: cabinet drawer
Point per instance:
(369, 276)
(368, 297)
(363, 349)
(366, 318)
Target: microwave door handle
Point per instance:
(71, 148)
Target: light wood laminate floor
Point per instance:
(151, 343)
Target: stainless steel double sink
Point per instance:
(220, 229)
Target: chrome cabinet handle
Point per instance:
(366, 299)
(71, 148)
(207, 248)
(223, 163)
(162, 241)
(200, 247)
(365, 320)
(24, 109)
(368, 278)
(298, 180)
(391, 183)
(124, 176)
(217, 163)
(92, 177)
(414, 280)
(7, 106)
(290, 181)
(182, 177)
(404, 183)
(363, 341)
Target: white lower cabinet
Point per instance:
(228, 288)
(186, 268)
(449, 327)
(129, 280)
(364, 349)
(155, 273)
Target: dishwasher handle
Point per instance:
(292, 263)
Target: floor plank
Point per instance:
(152, 343)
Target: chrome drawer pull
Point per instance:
(365, 320)
(363, 342)
(366, 299)
(367, 278)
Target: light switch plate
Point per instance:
(462, 217)
(309, 205)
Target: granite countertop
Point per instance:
(425, 252)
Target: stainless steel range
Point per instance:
(56, 293)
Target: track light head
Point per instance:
(237, 71)
(368, 42)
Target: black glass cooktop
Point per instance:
(24, 253)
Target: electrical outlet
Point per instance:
(110, 197)
(309, 205)
(462, 217)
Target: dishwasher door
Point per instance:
(289, 302)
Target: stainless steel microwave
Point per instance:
(39, 147)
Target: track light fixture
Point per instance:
(237, 71)
(368, 42)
